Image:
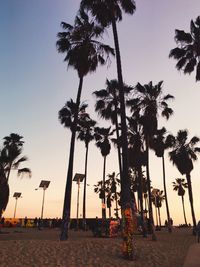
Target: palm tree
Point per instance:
(179, 186)
(149, 103)
(112, 182)
(160, 143)
(102, 137)
(86, 134)
(84, 53)
(187, 52)
(183, 154)
(108, 13)
(157, 200)
(10, 160)
(108, 107)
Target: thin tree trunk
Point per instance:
(68, 189)
(140, 190)
(156, 217)
(104, 196)
(154, 238)
(159, 217)
(182, 197)
(166, 201)
(116, 205)
(125, 180)
(191, 201)
(84, 190)
(109, 212)
(117, 134)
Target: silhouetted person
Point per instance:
(39, 224)
(35, 222)
(2, 221)
(25, 221)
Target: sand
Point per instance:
(33, 248)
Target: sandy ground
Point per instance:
(33, 248)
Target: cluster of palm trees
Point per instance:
(10, 159)
(137, 132)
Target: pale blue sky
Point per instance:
(35, 84)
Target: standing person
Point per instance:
(39, 224)
(25, 221)
(198, 232)
(35, 222)
(2, 221)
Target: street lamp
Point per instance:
(78, 178)
(44, 185)
(16, 196)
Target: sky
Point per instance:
(35, 83)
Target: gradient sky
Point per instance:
(35, 84)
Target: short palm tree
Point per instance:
(109, 13)
(112, 182)
(187, 53)
(84, 53)
(102, 137)
(85, 134)
(180, 185)
(157, 201)
(10, 159)
(183, 153)
(160, 143)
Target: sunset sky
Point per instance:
(36, 83)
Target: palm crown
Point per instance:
(179, 186)
(184, 152)
(187, 53)
(148, 102)
(105, 10)
(83, 52)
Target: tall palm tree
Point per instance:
(85, 134)
(102, 137)
(10, 159)
(187, 52)
(109, 13)
(149, 102)
(108, 107)
(183, 153)
(180, 185)
(161, 142)
(84, 53)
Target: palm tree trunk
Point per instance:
(84, 190)
(116, 206)
(117, 134)
(159, 216)
(182, 197)
(156, 217)
(125, 181)
(166, 201)
(109, 212)
(191, 201)
(68, 189)
(154, 238)
(104, 197)
(141, 201)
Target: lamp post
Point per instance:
(43, 185)
(16, 196)
(78, 178)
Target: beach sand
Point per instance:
(33, 248)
